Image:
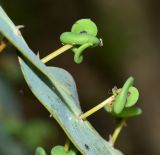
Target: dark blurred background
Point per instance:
(130, 32)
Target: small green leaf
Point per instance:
(130, 112)
(121, 98)
(108, 109)
(133, 97)
(59, 150)
(40, 151)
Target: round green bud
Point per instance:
(40, 151)
(85, 26)
(59, 150)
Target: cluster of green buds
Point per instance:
(125, 100)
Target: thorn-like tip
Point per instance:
(20, 26)
(50, 115)
(100, 42)
(20, 60)
(38, 55)
(110, 139)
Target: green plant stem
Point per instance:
(56, 53)
(108, 101)
(117, 131)
(66, 146)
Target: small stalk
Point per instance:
(108, 101)
(117, 131)
(56, 53)
(67, 145)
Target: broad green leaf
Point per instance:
(52, 92)
(67, 82)
(10, 31)
(80, 132)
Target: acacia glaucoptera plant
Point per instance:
(56, 90)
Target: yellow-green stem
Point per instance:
(108, 101)
(56, 53)
(117, 131)
(66, 146)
